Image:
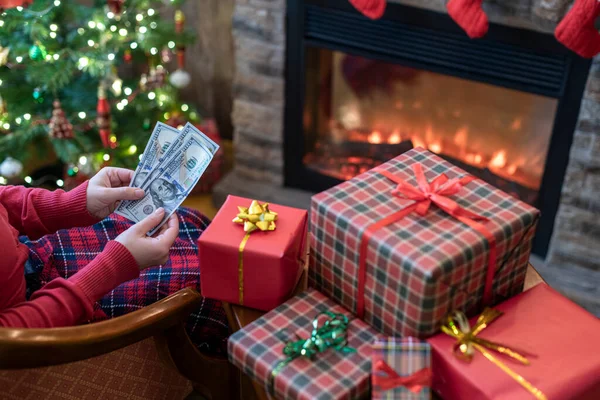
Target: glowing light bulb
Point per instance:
(92, 24)
(151, 95)
(81, 114)
(162, 97)
(27, 116)
(185, 107)
(53, 27)
(83, 62)
(139, 17)
(6, 125)
(57, 3)
(83, 160)
(127, 91)
(56, 56)
(153, 50)
(111, 56)
(106, 157)
(133, 45)
(75, 169)
(80, 31)
(171, 44)
(110, 15)
(28, 179)
(143, 29)
(19, 59)
(153, 24)
(113, 28)
(120, 106)
(1, 23)
(113, 139)
(19, 8)
(150, 11)
(18, 120)
(48, 57)
(116, 86)
(60, 183)
(90, 43)
(0, 82)
(123, 32)
(125, 102)
(3, 180)
(100, 26)
(53, 35)
(132, 149)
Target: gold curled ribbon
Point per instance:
(457, 326)
(253, 218)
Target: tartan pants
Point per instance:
(67, 251)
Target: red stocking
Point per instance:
(469, 15)
(577, 32)
(371, 8)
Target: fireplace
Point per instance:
(360, 92)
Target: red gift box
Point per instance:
(405, 243)
(265, 272)
(561, 336)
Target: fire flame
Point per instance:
(394, 138)
(460, 138)
(436, 147)
(498, 159)
(374, 137)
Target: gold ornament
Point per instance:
(257, 216)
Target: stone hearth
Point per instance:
(572, 265)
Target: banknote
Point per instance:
(160, 140)
(176, 178)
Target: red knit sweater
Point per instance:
(62, 302)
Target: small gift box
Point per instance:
(407, 242)
(308, 348)
(401, 369)
(252, 253)
(537, 345)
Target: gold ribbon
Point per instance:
(254, 218)
(457, 326)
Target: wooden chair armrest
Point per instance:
(31, 348)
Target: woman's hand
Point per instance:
(107, 188)
(150, 251)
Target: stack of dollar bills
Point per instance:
(172, 163)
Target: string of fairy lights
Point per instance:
(124, 95)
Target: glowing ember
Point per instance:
(511, 169)
(394, 138)
(435, 147)
(498, 159)
(374, 137)
(460, 138)
(477, 158)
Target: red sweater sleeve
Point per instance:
(68, 302)
(37, 212)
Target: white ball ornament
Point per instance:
(11, 167)
(180, 78)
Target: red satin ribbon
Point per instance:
(424, 195)
(391, 380)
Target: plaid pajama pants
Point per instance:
(64, 253)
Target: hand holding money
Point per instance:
(170, 167)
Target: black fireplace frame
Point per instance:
(519, 59)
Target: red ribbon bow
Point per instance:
(415, 382)
(424, 195)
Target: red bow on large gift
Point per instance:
(391, 379)
(424, 195)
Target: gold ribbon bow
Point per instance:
(457, 326)
(256, 217)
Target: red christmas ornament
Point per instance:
(469, 15)
(6, 4)
(373, 9)
(116, 6)
(103, 117)
(127, 56)
(577, 31)
(60, 128)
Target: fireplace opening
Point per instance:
(360, 112)
(359, 92)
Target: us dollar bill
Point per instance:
(177, 177)
(160, 140)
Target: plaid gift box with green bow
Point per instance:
(336, 363)
(406, 243)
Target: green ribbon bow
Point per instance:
(333, 334)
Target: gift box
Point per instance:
(404, 244)
(257, 260)
(332, 374)
(558, 338)
(401, 369)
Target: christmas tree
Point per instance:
(84, 84)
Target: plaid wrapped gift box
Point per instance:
(257, 350)
(407, 357)
(419, 268)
